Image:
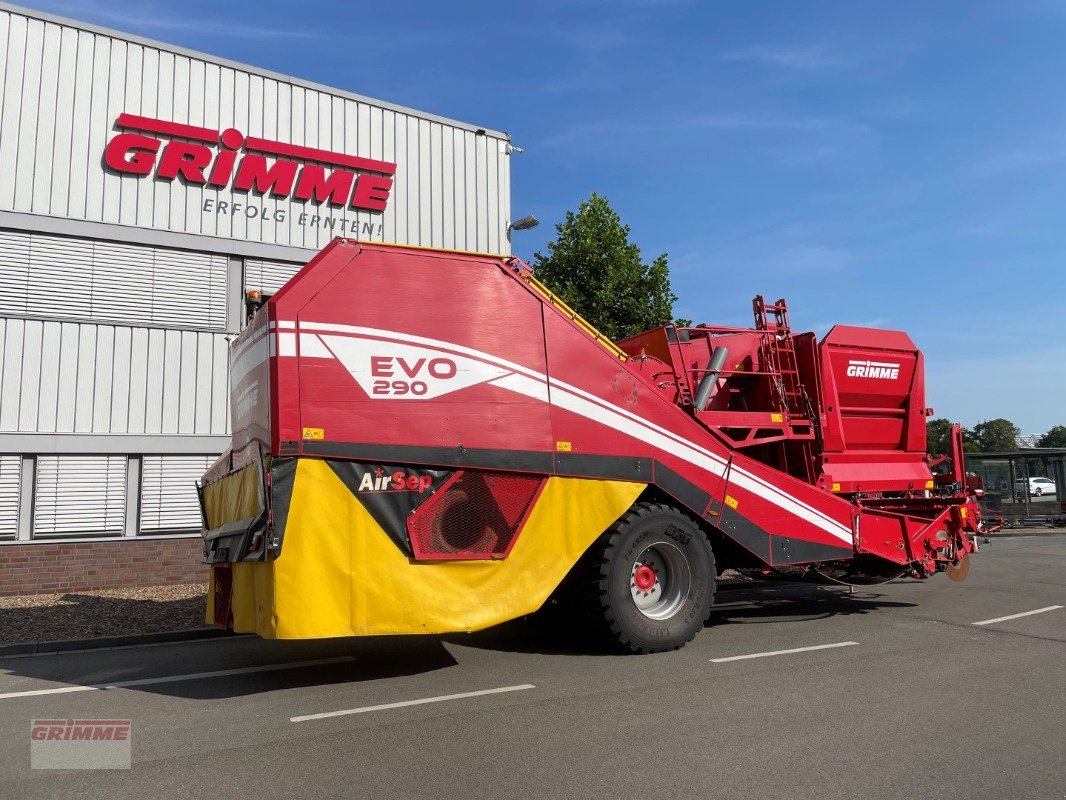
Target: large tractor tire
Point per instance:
(651, 580)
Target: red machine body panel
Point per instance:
(873, 400)
(450, 360)
(381, 352)
(652, 428)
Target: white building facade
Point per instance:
(144, 190)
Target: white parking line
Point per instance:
(193, 676)
(1016, 616)
(422, 701)
(783, 652)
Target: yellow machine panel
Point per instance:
(339, 574)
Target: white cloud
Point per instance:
(825, 56)
(822, 328)
(812, 258)
(592, 42)
(594, 133)
(797, 57)
(150, 17)
(1018, 159)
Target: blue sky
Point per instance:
(891, 164)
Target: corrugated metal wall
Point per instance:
(70, 377)
(89, 375)
(63, 88)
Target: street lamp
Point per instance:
(524, 224)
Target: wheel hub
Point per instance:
(644, 578)
(660, 581)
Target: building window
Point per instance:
(10, 482)
(43, 275)
(168, 493)
(80, 496)
(267, 276)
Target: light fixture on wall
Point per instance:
(524, 224)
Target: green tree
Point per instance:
(1056, 437)
(938, 436)
(596, 270)
(996, 436)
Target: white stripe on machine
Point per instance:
(539, 386)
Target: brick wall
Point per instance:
(43, 568)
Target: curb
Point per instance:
(107, 642)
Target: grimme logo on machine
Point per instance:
(207, 157)
(873, 369)
(247, 399)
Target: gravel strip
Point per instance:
(102, 612)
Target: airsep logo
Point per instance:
(873, 369)
(381, 480)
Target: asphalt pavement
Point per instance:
(911, 689)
